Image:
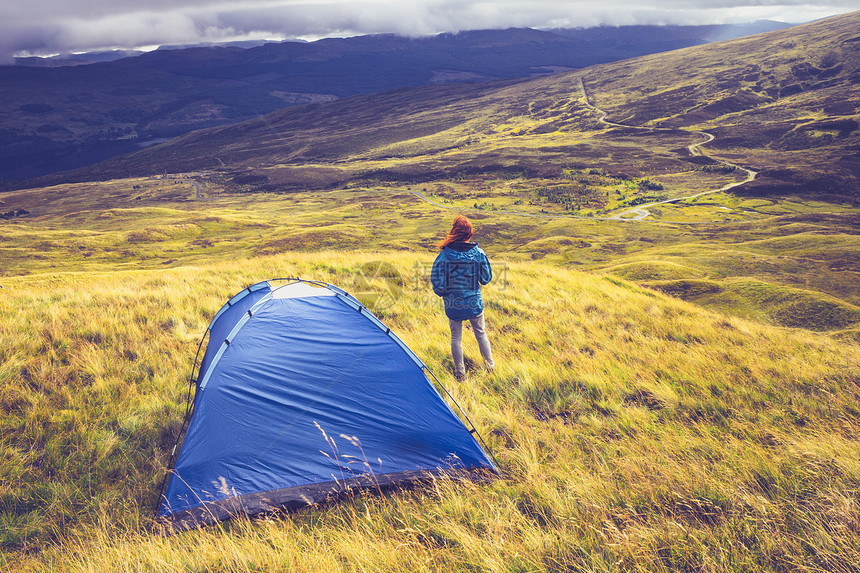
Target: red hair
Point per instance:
(461, 232)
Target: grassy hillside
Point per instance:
(786, 103)
(633, 430)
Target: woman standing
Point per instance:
(458, 273)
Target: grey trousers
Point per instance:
(457, 344)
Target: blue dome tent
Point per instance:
(302, 394)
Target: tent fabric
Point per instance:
(302, 394)
(227, 317)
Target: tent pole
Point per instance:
(474, 430)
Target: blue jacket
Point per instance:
(457, 275)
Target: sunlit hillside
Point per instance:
(787, 103)
(632, 429)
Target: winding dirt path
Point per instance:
(638, 213)
(695, 149)
(194, 179)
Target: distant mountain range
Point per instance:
(784, 103)
(66, 112)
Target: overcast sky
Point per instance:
(40, 27)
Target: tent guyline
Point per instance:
(288, 370)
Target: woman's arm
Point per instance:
(437, 275)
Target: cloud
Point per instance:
(57, 26)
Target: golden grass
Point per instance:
(785, 244)
(635, 431)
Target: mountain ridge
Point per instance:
(428, 132)
(53, 119)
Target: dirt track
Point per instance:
(639, 213)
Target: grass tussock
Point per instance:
(635, 431)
